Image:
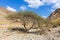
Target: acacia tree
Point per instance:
(25, 18)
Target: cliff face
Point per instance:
(54, 15)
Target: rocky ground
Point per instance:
(52, 34)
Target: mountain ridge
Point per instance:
(54, 15)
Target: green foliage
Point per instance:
(26, 15)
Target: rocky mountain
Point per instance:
(6, 34)
(54, 15)
(5, 22)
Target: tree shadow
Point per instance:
(26, 31)
(19, 29)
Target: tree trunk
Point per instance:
(25, 27)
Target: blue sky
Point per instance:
(41, 7)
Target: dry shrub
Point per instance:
(56, 22)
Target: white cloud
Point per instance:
(44, 16)
(34, 3)
(11, 9)
(57, 5)
(49, 1)
(38, 3)
(23, 8)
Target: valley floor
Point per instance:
(8, 35)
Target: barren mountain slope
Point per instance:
(54, 15)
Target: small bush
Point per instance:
(56, 22)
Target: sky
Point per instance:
(42, 7)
